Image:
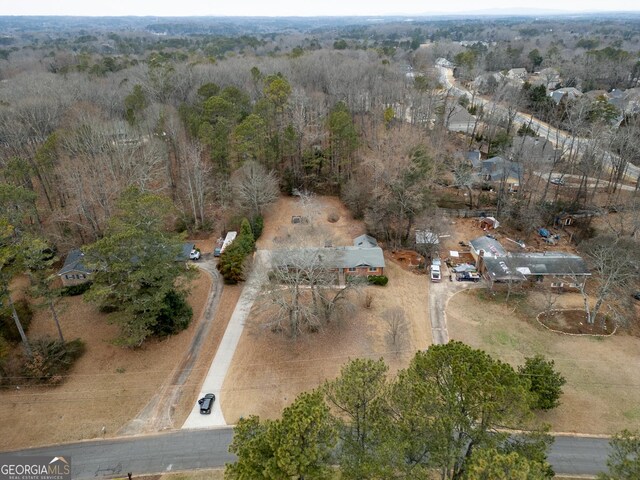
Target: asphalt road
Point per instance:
(544, 130)
(207, 448)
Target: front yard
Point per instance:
(602, 394)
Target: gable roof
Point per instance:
(73, 263)
(489, 245)
(497, 168)
(365, 241)
(331, 257)
(522, 265)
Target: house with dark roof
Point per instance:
(559, 270)
(498, 170)
(74, 272)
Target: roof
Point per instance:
(73, 263)
(571, 93)
(526, 264)
(365, 241)
(489, 245)
(334, 257)
(460, 120)
(497, 168)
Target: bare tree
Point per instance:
(195, 178)
(254, 187)
(616, 262)
(396, 324)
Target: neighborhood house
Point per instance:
(74, 272)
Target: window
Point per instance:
(373, 269)
(556, 284)
(68, 277)
(351, 269)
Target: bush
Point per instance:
(8, 327)
(544, 382)
(380, 280)
(231, 264)
(73, 290)
(52, 359)
(175, 315)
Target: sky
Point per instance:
(295, 7)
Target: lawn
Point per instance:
(106, 388)
(269, 369)
(602, 394)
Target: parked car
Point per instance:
(206, 403)
(557, 181)
(195, 254)
(468, 277)
(436, 274)
(636, 295)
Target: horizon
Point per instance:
(312, 8)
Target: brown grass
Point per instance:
(603, 378)
(105, 389)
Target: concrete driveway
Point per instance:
(222, 360)
(439, 295)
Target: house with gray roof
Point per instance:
(460, 120)
(559, 270)
(499, 170)
(567, 93)
(365, 241)
(486, 246)
(357, 260)
(74, 272)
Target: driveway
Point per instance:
(158, 413)
(222, 360)
(439, 295)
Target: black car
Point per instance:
(206, 403)
(636, 295)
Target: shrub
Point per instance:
(544, 382)
(8, 327)
(380, 280)
(73, 290)
(232, 260)
(175, 315)
(52, 359)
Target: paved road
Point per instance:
(554, 135)
(208, 448)
(222, 360)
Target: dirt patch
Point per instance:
(269, 369)
(105, 389)
(320, 211)
(574, 322)
(603, 381)
(409, 260)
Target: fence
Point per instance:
(465, 213)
